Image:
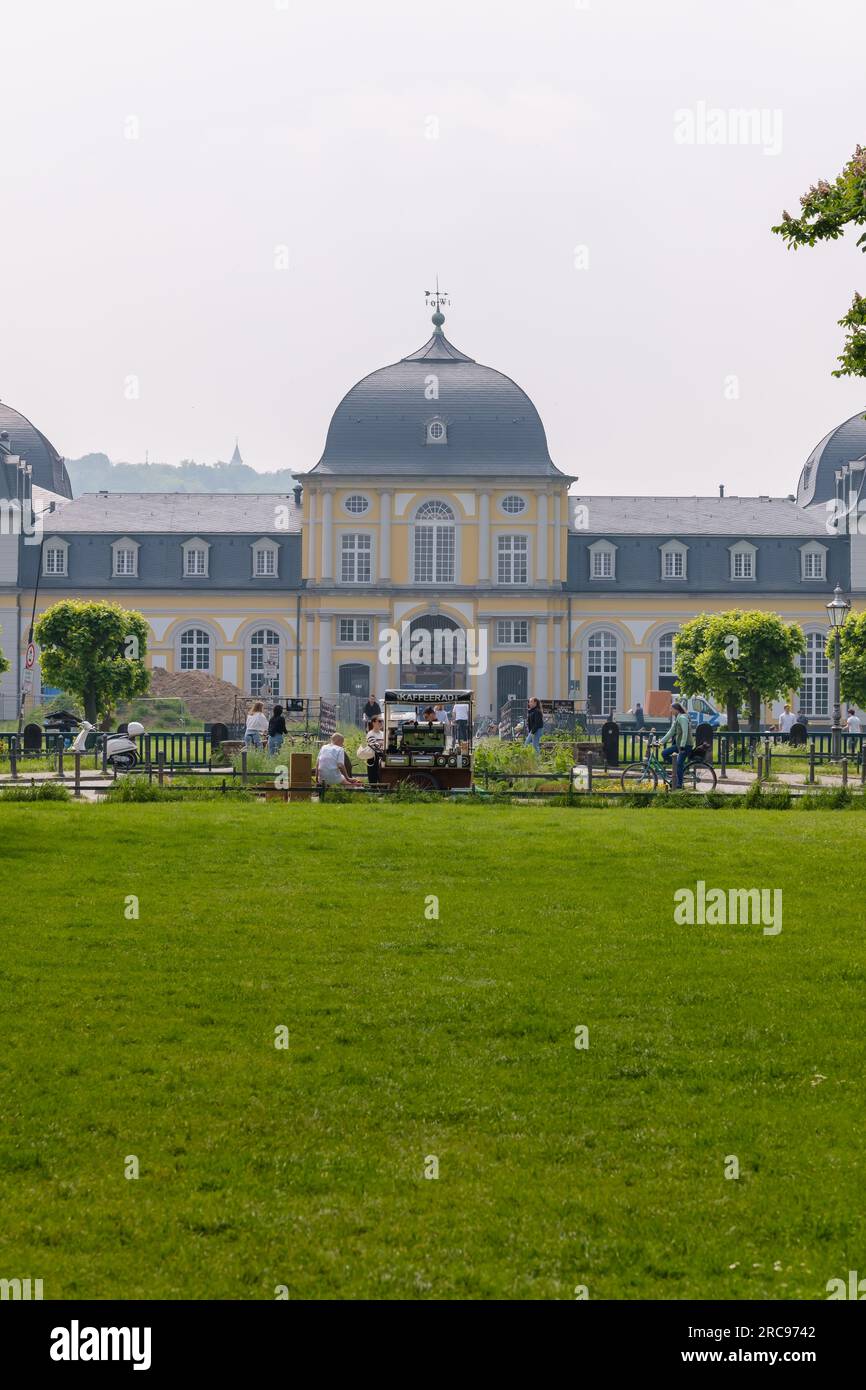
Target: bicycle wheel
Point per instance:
(637, 777)
(700, 777)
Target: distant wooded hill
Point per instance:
(94, 472)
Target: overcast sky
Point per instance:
(162, 160)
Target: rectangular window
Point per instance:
(602, 564)
(512, 560)
(356, 553)
(675, 564)
(55, 560)
(124, 561)
(196, 562)
(743, 564)
(354, 630)
(813, 564)
(266, 563)
(512, 632)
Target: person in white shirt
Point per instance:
(787, 720)
(257, 724)
(855, 729)
(331, 764)
(460, 720)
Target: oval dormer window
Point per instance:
(357, 503)
(437, 432)
(513, 504)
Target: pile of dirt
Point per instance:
(205, 696)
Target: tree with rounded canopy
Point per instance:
(852, 659)
(4, 664)
(825, 212)
(739, 657)
(95, 651)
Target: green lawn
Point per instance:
(411, 1038)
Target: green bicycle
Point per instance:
(645, 776)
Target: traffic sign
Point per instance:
(30, 658)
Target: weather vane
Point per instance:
(436, 297)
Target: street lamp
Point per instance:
(837, 611)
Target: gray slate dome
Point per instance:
(845, 443)
(491, 425)
(22, 437)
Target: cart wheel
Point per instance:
(424, 781)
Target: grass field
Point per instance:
(411, 1038)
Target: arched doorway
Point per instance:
(433, 653)
(355, 679)
(512, 683)
(602, 670)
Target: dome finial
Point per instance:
(437, 298)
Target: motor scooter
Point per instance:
(121, 750)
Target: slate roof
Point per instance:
(29, 443)
(379, 427)
(844, 444)
(183, 512)
(669, 517)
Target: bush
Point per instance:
(41, 791)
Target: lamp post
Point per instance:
(837, 611)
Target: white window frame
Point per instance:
(523, 555)
(606, 552)
(813, 550)
(211, 643)
(674, 551)
(262, 549)
(198, 546)
(355, 640)
(610, 680)
(816, 675)
(668, 632)
(441, 527)
(438, 423)
(356, 551)
(356, 496)
(125, 544)
(507, 511)
(55, 545)
(746, 552)
(511, 640)
(253, 669)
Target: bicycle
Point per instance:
(644, 776)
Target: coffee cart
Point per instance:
(425, 755)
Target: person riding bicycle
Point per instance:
(679, 735)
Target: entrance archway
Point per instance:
(433, 653)
(512, 683)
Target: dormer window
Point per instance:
(602, 560)
(195, 559)
(265, 559)
(124, 558)
(743, 560)
(674, 555)
(437, 432)
(813, 560)
(54, 556)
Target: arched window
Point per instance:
(602, 667)
(815, 685)
(665, 674)
(195, 653)
(265, 662)
(434, 544)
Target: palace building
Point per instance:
(434, 511)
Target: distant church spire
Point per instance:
(236, 456)
(437, 298)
